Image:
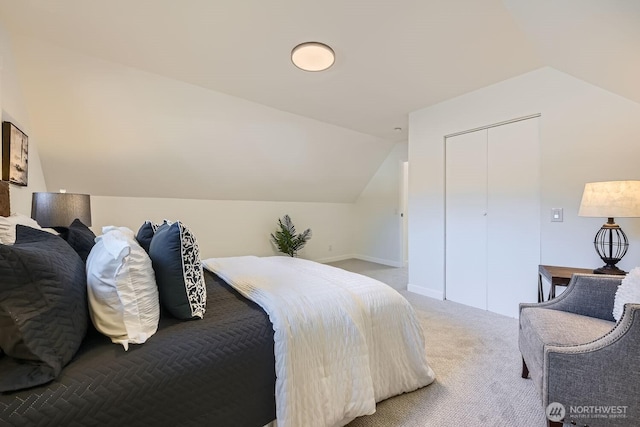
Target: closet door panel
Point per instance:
(466, 220)
(513, 221)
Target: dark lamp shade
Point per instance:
(60, 209)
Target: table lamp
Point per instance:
(611, 199)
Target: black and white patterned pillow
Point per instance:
(176, 262)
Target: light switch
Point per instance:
(556, 214)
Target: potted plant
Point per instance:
(287, 240)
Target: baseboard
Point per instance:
(421, 290)
(335, 258)
(382, 261)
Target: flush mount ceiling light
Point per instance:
(313, 56)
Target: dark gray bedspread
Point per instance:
(218, 371)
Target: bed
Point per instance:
(282, 338)
(218, 371)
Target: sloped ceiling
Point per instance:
(593, 40)
(199, 99)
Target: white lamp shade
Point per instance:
(611, 199)
(312, 56)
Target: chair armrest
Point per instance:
(604, 372)
(587, 294)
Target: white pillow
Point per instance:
(628, 292)
(122, 291)
(8, 227)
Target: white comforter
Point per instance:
(343, 341)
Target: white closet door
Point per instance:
(513, 241)
(466, 210)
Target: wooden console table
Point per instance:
(557, 276)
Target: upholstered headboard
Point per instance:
(5, 205)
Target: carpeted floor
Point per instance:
(474, 354)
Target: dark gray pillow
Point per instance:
(80, 237)
(43, 308)
(145, 234)
(176, 262)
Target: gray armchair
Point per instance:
(578, 356)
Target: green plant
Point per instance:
(286, 239)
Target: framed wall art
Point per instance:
(15, 154)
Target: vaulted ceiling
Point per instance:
(321, 136)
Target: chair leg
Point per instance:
(525, 370)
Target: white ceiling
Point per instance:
(392, 57)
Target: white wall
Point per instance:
(14, 109)
(368, 229)
(379, 225)
(233, 228)
(586, 134)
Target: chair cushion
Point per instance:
(542, 326)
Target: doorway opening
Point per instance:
(404, 218)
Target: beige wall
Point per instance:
(367, 229)
(586, 134)
(14, 109)
(379, 226)
(232, 228)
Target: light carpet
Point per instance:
(475, 356)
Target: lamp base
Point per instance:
(609, 269)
